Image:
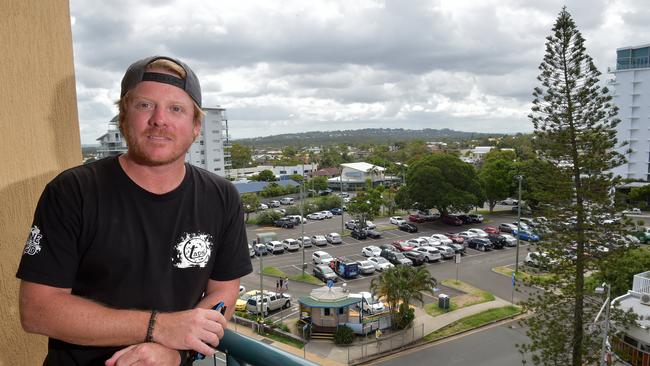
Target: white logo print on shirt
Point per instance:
(33, 244)
(193, 250)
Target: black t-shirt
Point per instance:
(100, 234)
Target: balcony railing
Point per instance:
(242, 350)
(641, 283)
(629, 353)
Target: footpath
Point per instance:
(325, 352)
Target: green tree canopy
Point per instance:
(366, 204)
(240, 155)
(497, 176)
(265, 176)
(250, 201)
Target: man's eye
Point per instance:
(176, 108)
(143, 105)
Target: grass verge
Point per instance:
(474, 321)
(285, 340)
(471, 296)
(307, 278)
(273, 272)
(523, 275)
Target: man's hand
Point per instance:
(146, 354)
(196, 329)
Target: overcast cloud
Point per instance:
(293, 66)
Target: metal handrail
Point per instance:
(242, 351)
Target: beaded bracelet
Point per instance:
(152, 323)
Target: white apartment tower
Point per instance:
(209, 151)
(632, 85)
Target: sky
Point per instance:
(295, 66)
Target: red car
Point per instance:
(452, 220)
(401, 246)
(491, 230)
(416, 218)
(455, 238)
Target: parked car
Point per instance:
(442, 238)
(281, 211)
(418, 242)
(431, 254)
(381, 264)
(287, 201)
(274, 203)
(396, 220)
(416, 218)
(321, 257)
(371, 251)
(446, 251)
(324, 273)
(467, 234)
(316, 216)
(498, 241)
(478, 218)
(304, 242)
(509, 201)
(458, 248)
(455, 238)
(507, 228)
(324, 192)
(465, 219)
(351, 224)
(260, 249)
(511, 241)
(318, 240)
(525, 235)
(401, 246)
(359, 234)
(643, 234)
(240, 304)
(327, 214)
(291, 244)
(387, 247)
(373, 233)
(345, 267)
(452, 220)
(478, 232)
(366, 267)
(336, 211)
(416, 257)
(633, 211)
(284, 222)
(396, 258)
(481, 244)
(408, 227)
(333, 238)
(491, 230)
(297, 219)
(275, 246)
(262, 206)
(539, 259)
(264, 304)
(369, 304)
(251, 251)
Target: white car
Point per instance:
(369, 303)
(511, 241)
(333, 238)
(251, 251)
(262, 206)
(318, 240)
(446, 251)
(431, 241)
(444, 240)
(380, 263)
(478, 232)
(371, 251)
(275, 247)
(467, 234)
(539, 259)
(370, 225)
(366, 267)
(305, 241)
(431, 254)
(297, 219)
(327, 214)
(321, 257)
(417, 242)
(291, 244)
(316, 216)
(286, 201)
(396, 220)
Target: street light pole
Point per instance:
(342, 219)
(606, 328)
(302, 225)
(519, 177)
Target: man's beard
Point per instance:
(138, 154)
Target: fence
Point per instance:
(388, 341)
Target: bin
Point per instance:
(443, 301)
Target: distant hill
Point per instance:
(367, 135)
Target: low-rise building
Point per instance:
(634, 344)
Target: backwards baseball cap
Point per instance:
(137, 73)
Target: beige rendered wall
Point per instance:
(39, 137)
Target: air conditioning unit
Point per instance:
(645, 298)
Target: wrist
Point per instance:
(151, 326)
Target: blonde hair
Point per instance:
(168, 66)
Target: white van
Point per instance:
(286, 201)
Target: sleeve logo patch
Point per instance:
(33, 244)
(194, 250)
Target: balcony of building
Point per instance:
(629, 353)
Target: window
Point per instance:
(201, 142)
(326, 312)
(341, 311)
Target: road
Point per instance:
(494, 346)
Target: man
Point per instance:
(127, 255)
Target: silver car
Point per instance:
(366, 267)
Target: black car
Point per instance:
(387, 247)
(375, 234)
(498, 241)
(396, 258)
(284, 222)
(466, 219)
(408, 227)
(481, 244)
(416, 257)
(324, 273)
(358, 234)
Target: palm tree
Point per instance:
(402, 284)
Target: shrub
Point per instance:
(343, 335)
(284, 327)
(268, 217)
(405, 316)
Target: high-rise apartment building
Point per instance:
(209, 151)
(632, 96)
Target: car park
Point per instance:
(316, 216)
(366, 267)
(431, 254)
(451, 220)
(477, 218)
(507, 228)
(305, 242)
(260, 249)
(291, 244)
(396, 258)
(373, 233)
(345, 267)
(284, 222)
(498, 241)
(478, 232)
(525, 235)
(442, 238)
(481, 244)
(359, 234)
(408, 227)
(371, 251)
(264, 304)
(324, 273)
(327, 214)
(318, 240)
(333, 238)
(446, 251)
(416, 257)
(381, 264)
(401, 245)
(396, 220)
(275, 247)
(287, 201)
(321, 257)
